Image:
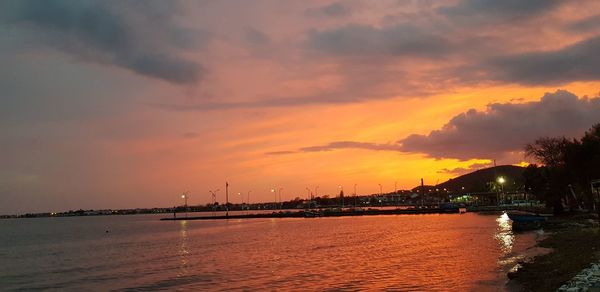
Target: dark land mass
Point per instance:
(477, 181)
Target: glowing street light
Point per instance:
(501, 181)
(184, 196)
(275, 204)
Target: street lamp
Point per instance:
(214, 199)
(396, 192)
(184, 196)
(280, 203)
(341, 194)
(501, 181)
(242, 198)
(274, 204)
(308, 196)
(354, 195)
(380, 193)
(248, 201)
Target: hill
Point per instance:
(477, 181)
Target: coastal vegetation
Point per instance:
(567, 168)
(563, 181)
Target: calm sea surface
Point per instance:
(402, 252)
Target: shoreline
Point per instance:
(574, 245)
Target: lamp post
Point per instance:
(241, 198)
(501, 181)
(354, 195)
(380, 193)
(280, 203)
(341, 194)
(275, 203)
(396, 192)
(214, 199)
(184, 196)
(248, 201)
(308, 196)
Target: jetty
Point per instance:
(325, 213)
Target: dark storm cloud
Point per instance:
(350, 145)
(578, 62)
(256, 37)
(505, 128)
(335, 9)
(493, 133)
(464, 170)
(491, 11)
(587, 24)
(358, 39)
(140, 36)
(191, 135)
(341, 145)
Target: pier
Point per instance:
(324, 213)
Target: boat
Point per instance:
(311, 214)
(525, 217)
(524, 221)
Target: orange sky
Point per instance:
(156, 99)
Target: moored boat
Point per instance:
(525, 217)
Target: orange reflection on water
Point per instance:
(183, 249)
(504, 234)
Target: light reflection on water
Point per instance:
(505, 234)
(183, 251)
(407, 252)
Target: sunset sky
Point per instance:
(122, 104)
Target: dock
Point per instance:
(324, 213)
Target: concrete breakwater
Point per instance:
(323, 213)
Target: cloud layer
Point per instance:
(494, 133)
(577, 62)
(140, 36)
(504, 128)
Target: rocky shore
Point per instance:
(586, 280)
(572, 265)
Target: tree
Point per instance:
(548, 151)
(551, 152)
(567, 168)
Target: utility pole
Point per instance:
(226, 199)
(354, 195)
(280, 203)
(248, 201)
(214, 199)
(396, 192)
